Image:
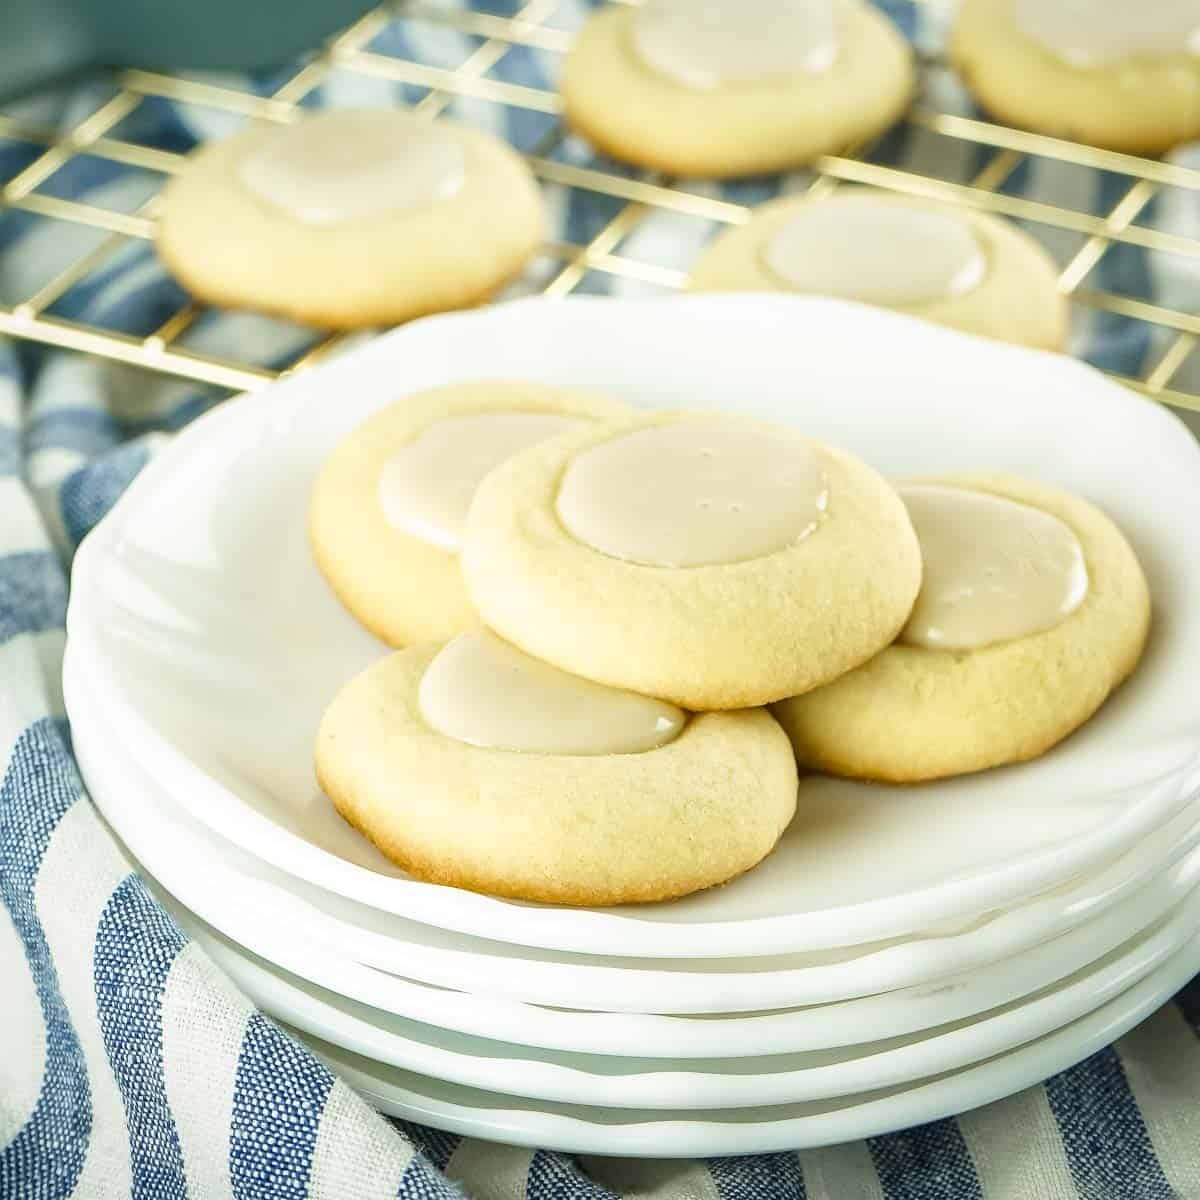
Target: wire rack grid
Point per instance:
(635, 197)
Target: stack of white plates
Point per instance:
(904, 954)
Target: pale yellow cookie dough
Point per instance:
(913, 714)
(564, 829)
(401, 587)
(634, 113)
(1141, 105)
(230, 246)
(1017, 299)
(729, 635)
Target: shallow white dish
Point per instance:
(197, 599)
(657, 1083)
(259, 909)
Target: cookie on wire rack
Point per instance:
(964, 269)
(351, 218)
(1125, 77)
(722, 88)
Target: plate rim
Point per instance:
(687, 1137)
(931, 1100)
(698, 1089)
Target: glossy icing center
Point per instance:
(426, 487)
(994, 570)
(1093, 33)
(861, 248)
(693, 493)
(353, 165)
(484, 691)
(705, 44)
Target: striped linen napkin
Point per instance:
(129, 1066)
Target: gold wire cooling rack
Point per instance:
(636, 197)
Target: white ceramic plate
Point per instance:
(258, 909)
(219, 643)
(657, 1083)
(589, 1130)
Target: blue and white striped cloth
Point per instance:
(129, 1067)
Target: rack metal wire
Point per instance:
(637, 196)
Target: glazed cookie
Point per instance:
(350, 218)
(388, 506)
(1033, 609)
(964, 269)
(1122, 76)
(482, 768)
(735, 87)
(717, 561)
